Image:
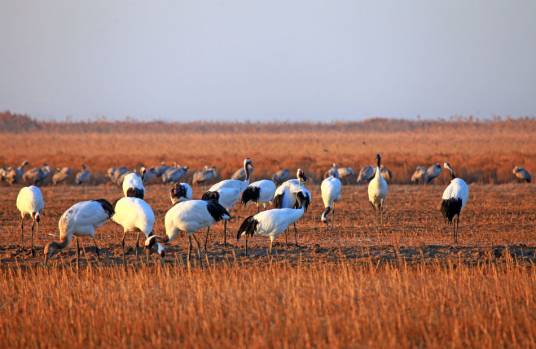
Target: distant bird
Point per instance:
(419, 176)
(228, 192)
(188, 216)
(62, 175)
(285, 195)
(30, 203)
(377, 189)
(240, 174)
(365, 174)
(161, 169)
(281, 176)
(432, 172)
(331, 188)
(38, 175)
(84, 176)
(174, 174)
(521, 174)
(133, 186)
(454, 199)
(81, 219)
(333, 171)
(117, 174)
(260, 192)
(386, 174)
(149, 175)
(134, 215)
(346, 174)
(205, 176)
(272, 223)
(180, 192)
(15, 175)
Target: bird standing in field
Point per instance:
(432, 172)
(521, 174)
(174, 173)
(134, 215)
(365, 174)
(331, 188)
(30, 203)
(15, 175)
(62, 175)
(272, 223)
(84, 176)
(81, 219)
(281, 176)
(285, 196)
(189, 216)
(205, 176)
(419, 176)
(377, 189)
(228, 192)
(180, 192)
(149, 175)
(260, 192)
(454, 199)
(133, 186)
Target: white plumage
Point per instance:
(331, 188)
(285, 194)
(134, 215)
(454, 199)
(377, 189)
(81, 219)
(260, 192)
(30, 203)
(133, 186)
(272, 223)
(189, 216)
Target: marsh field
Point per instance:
(353, 284)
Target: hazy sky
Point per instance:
(259, 60)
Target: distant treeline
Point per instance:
(11, 122)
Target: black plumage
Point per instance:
(179, 191)
(216, 210)
(135, 193)
(451, 207)
(211, 196)
(278, 201)
(106, 206)
(251, 194)
(248, 227)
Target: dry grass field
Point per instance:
(354, 285)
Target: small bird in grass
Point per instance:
(81, 219)
(377, 189)
(454, 199)
(30, 203)
(521, 174)
(272, 223)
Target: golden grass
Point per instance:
(338, 305)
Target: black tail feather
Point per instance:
(278, 201)
(217, 211)
(106, 206)
(135, 193)
(211, 196)
(248, 227)
(451, 207)
(251, 194)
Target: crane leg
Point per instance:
(206, 238)
(246, 245)
(270, 248)
(22, 232)
(296, 235)
(123, 247)
(32, 246)
(198, 249)
(137, 243)
(77, 253)
(189, 249)
(225, 233)
(97, 250)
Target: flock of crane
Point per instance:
(289, 200)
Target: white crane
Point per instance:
(180, 192)
(260, 192)
(228, 192)
(331, 188)
(189, 216)
(30, 203)
(454, 199)
(377, 189)
(272, 223)
(81, 219)
(285, 196)
(134, 215)
(133, 186)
